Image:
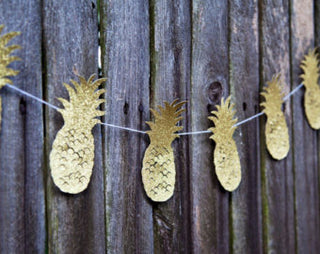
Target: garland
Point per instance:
(72, 154)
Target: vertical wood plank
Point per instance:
(277, 176)
(304, 138)
(125, 54)
(246, 224)
(154, 51)
(22, 202)
(170, 79)
(209, 82)
(75, 222)
(317, 22)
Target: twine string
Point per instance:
(144, 132)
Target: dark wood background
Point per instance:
(151, 51)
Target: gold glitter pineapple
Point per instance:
(310, 66)
(158, 172)
(72, 155)
(277, 137)
(6, 59)
(226, 158)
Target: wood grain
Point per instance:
(306, 174)
(209, 82)
(22, 201)
(125, 54)
(170, 79)
(75, 222)
(246, 223)
(316, 26)
(277, 176)
(151, 52)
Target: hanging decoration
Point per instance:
(310, 67)
(72, 154)
(276, 131)
(158, 171)
(5, 59)
(226, 158)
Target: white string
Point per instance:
(248, 119)
(56, 108)
(123, 128)
(292, 92)
(193, 133)
(32, 96)
(143, 132)
(245, 120)
(262, 113)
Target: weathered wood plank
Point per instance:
(246, 224)
(277, 176)
(125, 54)
(306, 172)
(276, 207)
(170, 75)
(317, 22)
(209, 82)
(75, 222)
(22, 202)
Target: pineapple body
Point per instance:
(277, 137)
(158, 172)
(71, 159)
(312, 107)
(227, 164)
(276, 130)
(158, 169)
(310, 78)
(225, 157)
(72, 154)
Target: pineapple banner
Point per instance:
(310, 66)
(277, 137)
(6, 59)
(158, 171)
(226, 158)
(72, 154)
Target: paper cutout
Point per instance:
(226, 158)
(158, 171)
(277, 137)
(6, 59)
(310, 66)
(72, 155)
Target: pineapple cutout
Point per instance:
(226, 158)
(158, 171)
(277, 137)
(310, 66)
(6, 59)
(72, 154)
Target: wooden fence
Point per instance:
(157, 50)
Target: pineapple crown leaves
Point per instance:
(310, 67)
(223, 120)
(273, 95)
(166, 119)
(83, 100)
(6, 58)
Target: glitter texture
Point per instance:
(310, 67)
(6, 59)
(226, 158)
(158, 172)
(277, 137)
(72, 155)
